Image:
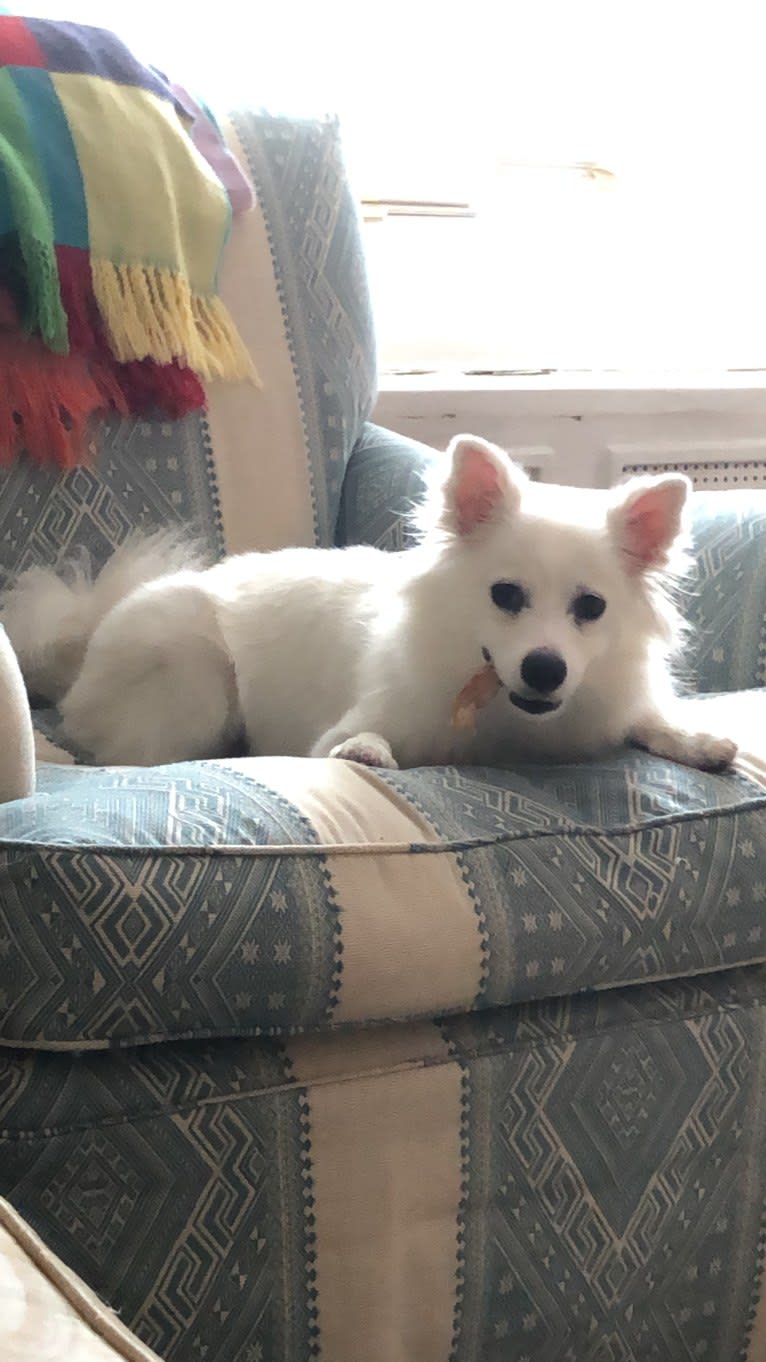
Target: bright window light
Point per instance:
(654, 260)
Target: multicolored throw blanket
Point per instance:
(112, 227)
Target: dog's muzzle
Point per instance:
(543, 670)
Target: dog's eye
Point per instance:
(509, 596)
(588, 606)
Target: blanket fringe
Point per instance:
(48, 402)
(152, 313)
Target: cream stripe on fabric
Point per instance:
(411, 936)
(351, 1055)
(46, 1313)
(386, 1171)
(257, 434)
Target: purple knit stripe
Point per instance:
(79, 49)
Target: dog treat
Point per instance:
(481, 688)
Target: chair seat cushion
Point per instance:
(271, 895)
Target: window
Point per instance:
(585, 178)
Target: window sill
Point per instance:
(575, 392)
(586, 428)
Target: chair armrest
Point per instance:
(727, 607)
(384, 479)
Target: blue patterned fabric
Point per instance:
(595, 875)
(611, 1165)
(614, 1175)
(146, 475)
(178, 1197)
(313, 221)
(193, 900)
(384, 480)
(727, 608)
(151, 920)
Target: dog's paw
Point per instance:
(369, 749)
(701, 750)
(717, 753)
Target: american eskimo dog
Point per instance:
(360, 654)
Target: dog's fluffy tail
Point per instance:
(50, 613)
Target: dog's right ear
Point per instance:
(482, 485)
(647, 518)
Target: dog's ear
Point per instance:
(647, 518)
(482, 484)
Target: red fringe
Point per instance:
(166, 389)
(49, 400)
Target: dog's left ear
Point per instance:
(646, 519)
(482, 484)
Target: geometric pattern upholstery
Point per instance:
(727, 604)
(211, 1173)
(608, 1178)
(146, 474)
(612, 1140)
(214, 898)
(384, 481)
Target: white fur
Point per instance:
(359, 653)
(51, 615)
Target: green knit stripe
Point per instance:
(34, 219)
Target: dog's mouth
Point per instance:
(530, 704)
(533, 706)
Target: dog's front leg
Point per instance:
(352, 741)
(702, 750)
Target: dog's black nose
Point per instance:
(543, 670)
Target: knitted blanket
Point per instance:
(112, 227)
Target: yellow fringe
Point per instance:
(152, 313)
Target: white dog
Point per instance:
(358, 653)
